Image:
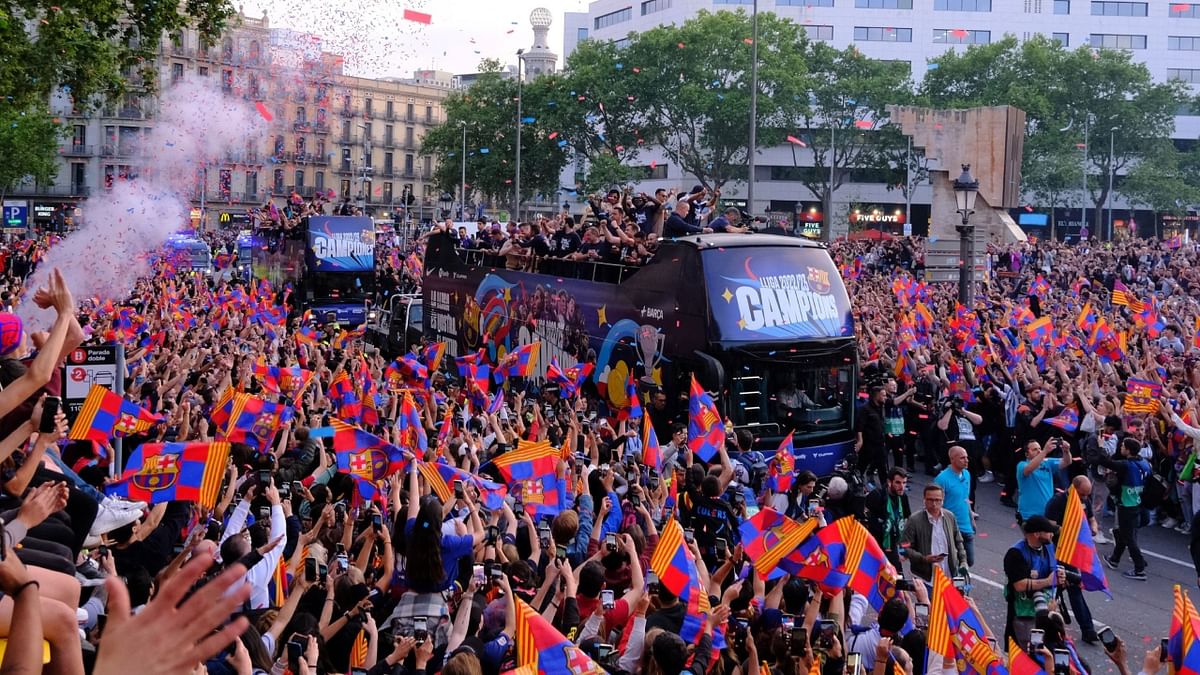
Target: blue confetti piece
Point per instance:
(528, 120)
(620, 66)
(484, 151)
(551, 104)
(572, 93)
(931, 66)
(450, 154)
(562, 144)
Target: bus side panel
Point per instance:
(619, 327)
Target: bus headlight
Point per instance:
(371, 315)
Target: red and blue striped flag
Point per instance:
(254, 421)
(105, 415)
(411, 428)
(432, 355)
(1076, 548)
(521, 362)
(676, 570)
(542, 650)
(781, 470)
(366, 457)
(706, 431)
(768, 537)
(651, 451)
(173, 472)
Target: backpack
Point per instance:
(1155, 491)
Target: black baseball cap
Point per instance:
(1038, 524)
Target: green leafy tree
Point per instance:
(844, 115)
(28, 143)
(1063, 93)
(694, 82)
(85, 47)
(1164, 182)
(488, 111)
(1053, 172)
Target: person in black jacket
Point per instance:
(887, 510)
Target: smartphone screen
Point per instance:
(1062, 660)
(1162, 649)
(50, 406)
(1035, 638)
(853, 663)
(1109, 639)
(310, 569)
(607, 599)
(799, 641)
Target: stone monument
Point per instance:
(991, 140)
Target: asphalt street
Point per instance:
(1140, 611)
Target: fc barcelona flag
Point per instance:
(254, 422)
(105, 415)
(169, 472)
(1075, 546)
(365, 456)
(542, 650)
(676, 570)
(706, 431)
(1142, 396)
(768, 537)
(521, 362)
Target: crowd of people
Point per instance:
(310, 561)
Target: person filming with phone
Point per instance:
(934, 539)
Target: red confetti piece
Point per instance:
(681, 45)
(653, 164)
(553, 135)
(419, 17)
(1028, 209)
(637, 70)
(620, 148)
(262, 110)
(797, 141)
(1180, 7)
(863, 124)
(748, 41)
(959, 33)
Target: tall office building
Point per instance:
(1165, 35)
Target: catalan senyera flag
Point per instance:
(168, 472)
(542, 650)
(706, 431)
(768, 537)
(1076, 548)
(1121, 294)
(105, 415)
(1142, 396)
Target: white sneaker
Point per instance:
(121, 504)
(1099, 538)
(109, 518)
(1168, 522)
(1184, 528)
(987, 477)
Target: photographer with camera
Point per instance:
(957, 426)
(1032, 575)
(1073, 587)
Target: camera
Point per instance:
(1074, 577)
(1041, 601)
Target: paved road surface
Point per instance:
(1140, 611)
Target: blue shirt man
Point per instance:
(1035, 476)
(955, 481)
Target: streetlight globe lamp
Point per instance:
(966, 190)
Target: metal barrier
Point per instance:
(613, 273)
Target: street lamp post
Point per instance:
(462, 211)
(517, 180)
(753, 106)
(1108, 227)
(966, 189)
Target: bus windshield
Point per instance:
(785, 390)
(340, 285)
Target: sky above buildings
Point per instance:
(378, 41)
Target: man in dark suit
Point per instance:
(933, 538)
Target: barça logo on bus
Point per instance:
(158, 473)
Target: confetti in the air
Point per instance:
(797, 141)
(418, 17)
(262, 110)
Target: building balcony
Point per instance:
(51, 191)
(119, 151)
(344, 170)
(347, 112)
(132, 113)
(279, 190)
(74, 150)
(242, 158)
(302, 127)
(426, 175)
(369, 115)
(321, 128)
(387, 172)
(409, 174)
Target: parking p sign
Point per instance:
(16, 214)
